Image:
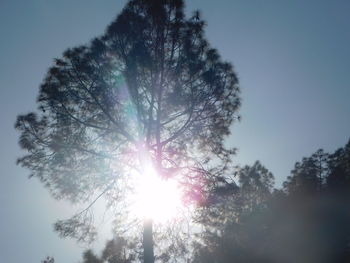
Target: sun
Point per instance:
(155, 198)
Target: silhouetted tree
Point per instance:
(321, 172)
(321, 161)
(308, 175)
(119, 250)
(116, 250)
(237, 223)
(48, 260)
(317, 205)
(151, 89)
(90, 257)
(256, 184)
(338, 180)
(308, 222)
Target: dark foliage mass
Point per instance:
(308, 221)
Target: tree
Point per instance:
(338, 180)
(119, 250)
(304, 179)
(307, 222)
(309, 175)
(48, 260)
(320, 159)
(318, 204)
(150, 91)
(237, 224)
(90, 257)
(116, 250)
(256, 184)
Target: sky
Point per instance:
(292, 59)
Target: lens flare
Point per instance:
(155, 198)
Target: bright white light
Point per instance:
(156, 198)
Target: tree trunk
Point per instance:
(148, 253)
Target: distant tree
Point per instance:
(321, 172)
(317, 206)
(48, 260)
(338, 180)
(90, 257)
(151, 89)
(255, 185)
(237, 222)
(116, 250)
(119, 250)
(305, 177)
(310, 175)
(306, 222)
(320, 159)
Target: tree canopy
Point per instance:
(149, 90)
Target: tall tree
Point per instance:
(338, 180)
(304, 178)
(237, 223)
(309, 176)
(150, 91)
(320, 159)
(318, 197)
(256, 184)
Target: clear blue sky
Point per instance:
(292, 57)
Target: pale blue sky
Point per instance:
(292, 57)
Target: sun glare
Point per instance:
(156, 198)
